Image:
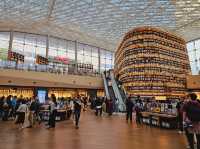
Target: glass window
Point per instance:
(95, 52)
(57, 47)
(191, 55)
(30, 45)
(106, 58)
(52, 53)
(4, 45)
(197, 44)
(95, 58)
(194, 56)
(70, 49)
(41, 45)
(80, 49)
(84, 53)
(190, 46)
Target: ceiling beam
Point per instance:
(51, 7)
(187, 24)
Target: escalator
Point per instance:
(114, 92)
(119, 92)
(122, 92)
(106, 85)
(109, 89)
(111, 93)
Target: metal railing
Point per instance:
(105, 85)
(66, 69)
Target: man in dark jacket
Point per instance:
(98, 106)
(129, 109)
(77, 111)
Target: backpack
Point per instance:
(193, 112)
(77, 106)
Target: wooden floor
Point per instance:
(94, 133)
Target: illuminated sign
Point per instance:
(160, 97)
(64, 60)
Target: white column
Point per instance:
(47, 46)
(10, 40)
(99, 62)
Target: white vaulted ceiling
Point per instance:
(100, 22)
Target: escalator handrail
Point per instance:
(117, 91)
(106, 85)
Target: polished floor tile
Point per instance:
(94, 133)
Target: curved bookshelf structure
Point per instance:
(152, 62)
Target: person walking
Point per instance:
(98, 107)
(14, 102)
(191, 120)
(21, 114)
(129, 109)
(85, 103)
(53, 111)
(77, 111)
(6, 108)
(110, 107)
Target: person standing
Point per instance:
(1, 106)
(191, 120)
(110, 107)
(85, 103)
(129, 109)
(98, 107)
(6, 108)
(138, 110)
(32, 112)
(77, 111)
(14, 102)
(21, 114)
(70, 108)
(180, 115)
(53, 111)
(117, 105)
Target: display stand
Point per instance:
(160, 120)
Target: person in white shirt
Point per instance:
(21, 113)
(70, 110)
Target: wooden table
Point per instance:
(60, 115)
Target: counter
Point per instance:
(159, 120)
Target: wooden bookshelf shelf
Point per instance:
(41, 60)
(14, 56)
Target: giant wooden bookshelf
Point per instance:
(152, 62)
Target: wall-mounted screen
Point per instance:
(42, 95)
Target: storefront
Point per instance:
(28, 92)
(16, 91)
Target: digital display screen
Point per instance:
(41, 95)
